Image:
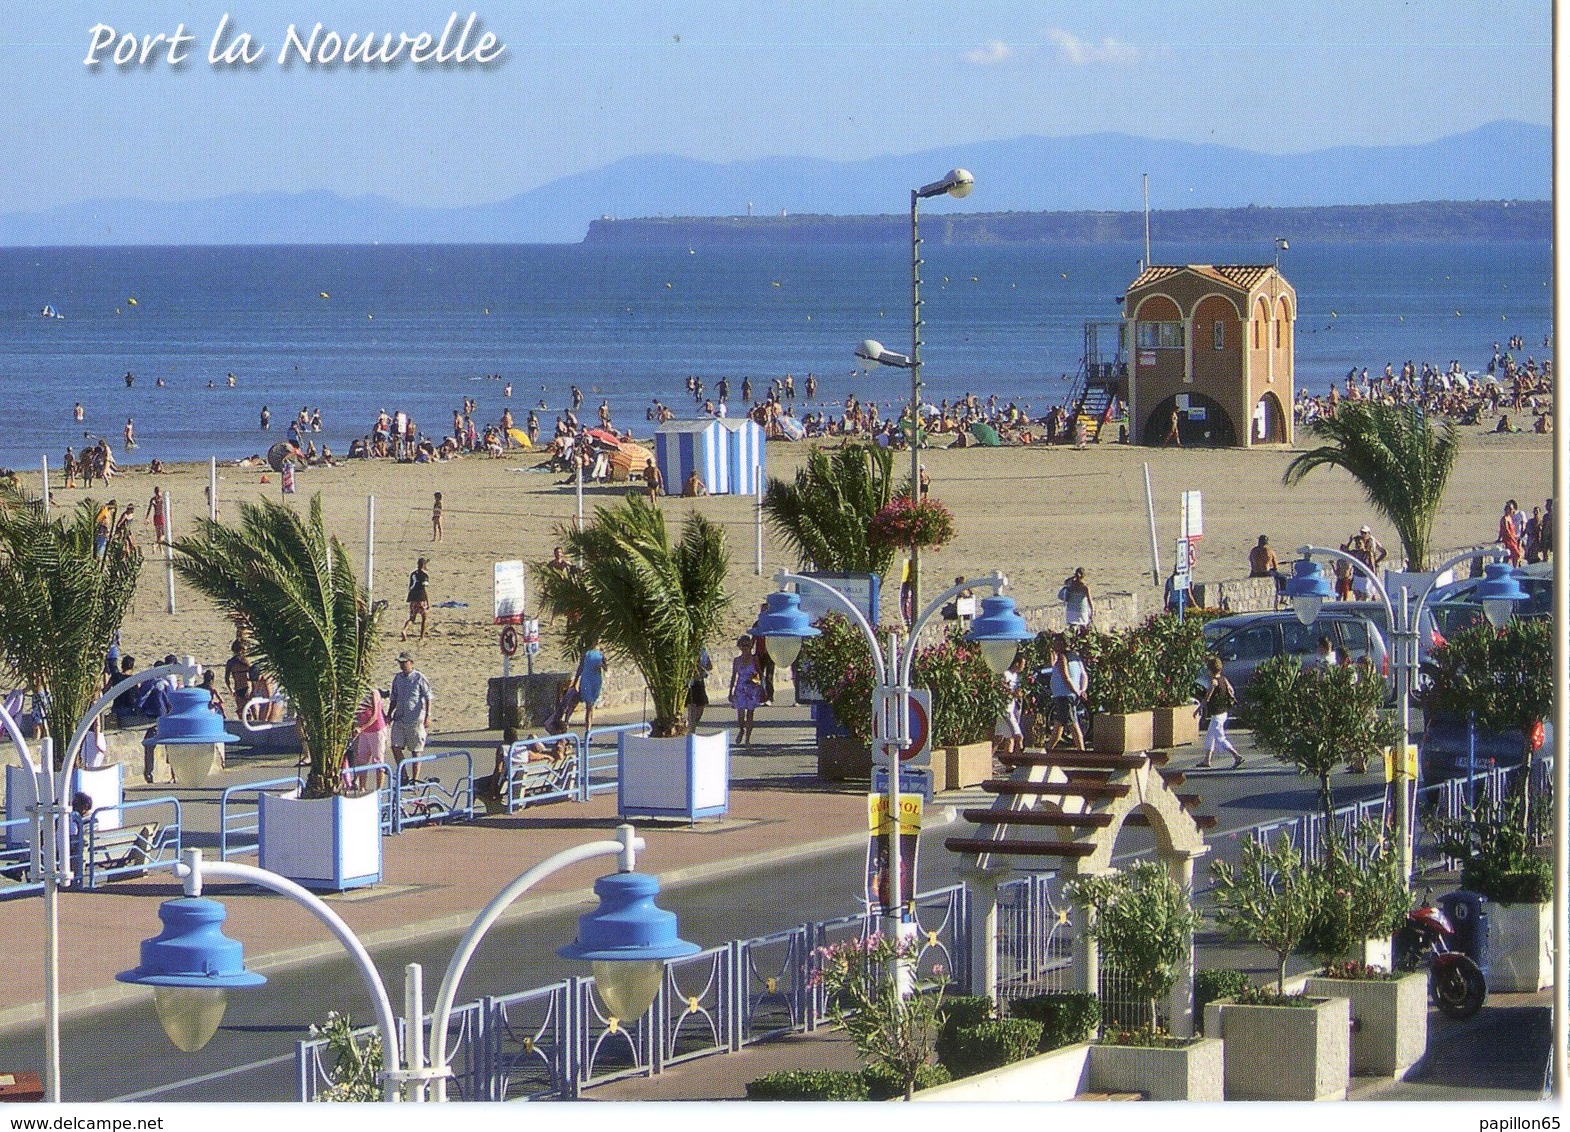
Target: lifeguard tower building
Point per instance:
(1214, 343)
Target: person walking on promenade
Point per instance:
(1366, 549)
(1218, 701)
(419, 599)
(1009, 738)
(588, 682)
(698, 691)
(1078, 608)
(1069, 683)
(746, 688)
(409, 713)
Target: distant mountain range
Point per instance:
(1090, 173)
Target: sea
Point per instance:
(352, 330)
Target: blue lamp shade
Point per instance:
(627, 939)
(191, 965)
(783, 626)
(1499, 591)
(998, 629)
(1308, 588)
(191, 722)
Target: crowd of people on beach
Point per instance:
(1525, 388)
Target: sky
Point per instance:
(580, 85)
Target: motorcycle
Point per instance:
(1455, 982)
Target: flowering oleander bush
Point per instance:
(903, 522)
(1179, 656)
(1353, 971)
(894, 1034)
(1124, 670)
(966, 696)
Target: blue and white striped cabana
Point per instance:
(682, 446)
(743, 454)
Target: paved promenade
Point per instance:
(437, 879)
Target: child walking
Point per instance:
(436, 518)
(1218, 701)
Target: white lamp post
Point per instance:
(998, 630)
(1308, 588)
(191, 965)
(51, 842)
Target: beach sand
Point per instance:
(1033, 513)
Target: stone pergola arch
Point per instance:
(1071, 806)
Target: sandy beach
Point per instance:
(1034, 513)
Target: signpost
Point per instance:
(918, 753)
(507, 592)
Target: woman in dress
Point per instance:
(746, 688)
(369, 744)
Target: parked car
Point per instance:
(1244, 641)
(1455, 606)
(1444, 743)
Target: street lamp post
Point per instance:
(191, 965)
(997, 629)
(1308, 588)
(50, 840)
(956, 183)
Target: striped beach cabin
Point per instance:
(743, 454)
(682, 446)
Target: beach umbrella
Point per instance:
(985, 434)
(520, 438)
(280, 453)
(631, 457)
(604, 437)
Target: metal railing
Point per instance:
(16, 859)
(598, 771)
(418, 801)
(147, 840)
(532, 781)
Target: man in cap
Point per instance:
(410, 710)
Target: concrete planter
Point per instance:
(1389, 1020)
(1191, 1073)
(841, 757)
(1174, 726)
(1520, 947)
(1284, 1053)
(1120, 734)
(322, 843)
(1057, 1075)
(957, 767)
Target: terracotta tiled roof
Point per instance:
(1241, 276)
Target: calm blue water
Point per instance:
(419, 328)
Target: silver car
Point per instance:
(1244, 641)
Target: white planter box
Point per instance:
(687, 776)
(1389, 1021)
(104, 785)
(1057, 1075)
(1284, 1053)
(1191, 1073)
(1520, 947)
(322, 843)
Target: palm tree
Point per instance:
(315, 630)
(640, 598)
(1401, 460)
(60, 604)
(823, 516)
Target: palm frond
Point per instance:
(823, 515)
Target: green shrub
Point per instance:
(969, 1050)
(1213, 983)
(1530, 882)
(966, 1010)
(883, 1085)
(1065, 1018)
(808, 1085)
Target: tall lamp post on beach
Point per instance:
(997, 629)
(956, 183)
(50, 840)
(1308, 588)
(191, 965)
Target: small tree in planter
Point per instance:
(1318, 719)
(1143, 923)
(314, 627)
(1270, 900)
(1179, 654)
(1502, 678)
(1124, 687)
(1497, 855)
(642, 598)
(1360, 895)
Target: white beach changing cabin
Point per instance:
(682, 446)
(744, 462)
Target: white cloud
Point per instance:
(995, 51)
(1084, 52)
